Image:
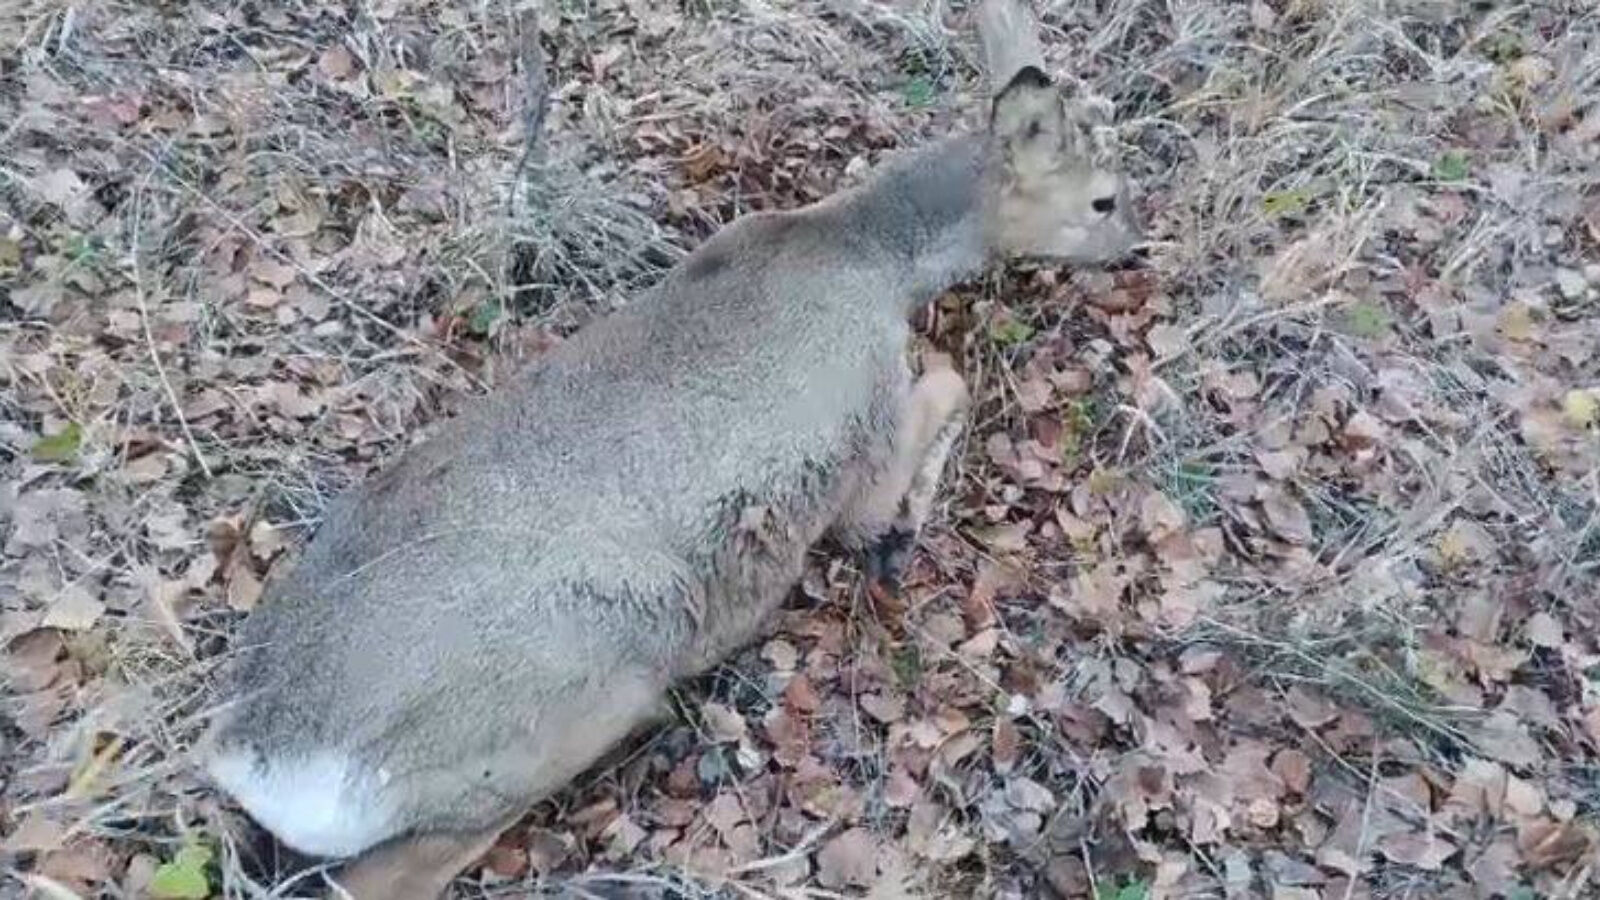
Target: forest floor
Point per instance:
(1269, 570)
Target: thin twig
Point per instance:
(801, 849)
(535, 101)
(1366, 816)
(149, 336)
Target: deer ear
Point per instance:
(1027, 77)
(1028, 120)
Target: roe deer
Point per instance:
(478, 623)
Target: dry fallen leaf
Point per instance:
(1503, 738)
(241, 585)
(781, 654)
(848, 860)
(1465, 542)
(1160, 516)
(1285, 514)
(724, 725)
(74, 609)
(1006, 745)
(336, 63)
(886, 708)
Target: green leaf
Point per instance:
(907, 665)
(1502, 47)
(918, 92)
(1451, 166)
(184, 877)
(1010, 333)
(1132, 889)
(1286, 203)
(61, 447)
(481, 322)
(1367, 320)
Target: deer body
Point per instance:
(478, 623)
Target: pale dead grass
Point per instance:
(1347, 115)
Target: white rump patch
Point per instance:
(315, 804)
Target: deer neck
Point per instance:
(926, 215)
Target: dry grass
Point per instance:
(246, 254)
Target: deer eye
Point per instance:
(1104, 205)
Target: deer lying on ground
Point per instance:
(476, 625)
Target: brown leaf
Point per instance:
(982, 645)
(74, 609)
(782, 654)
(1280, 465)
(41, 517)
(1494, 872)
(1294, 768)
(1030, 795)
(166, 599)
(1008, 538)
(547, 850)
(994, 579)
(1094, 595)
(1363, 431)
(849, 860)
(1006, 745)
(1544, 631)
(931, 834)
(35, 660)
(243, 588)
(1166, 340)
(266, 541)
(1160, 517)
(336, 63)
(1262, 813)
(1285, 514)
(622, 837)
(1546, 844)
(901, 790)
(167, 528)
(1033, 394)
(506, 861)
(723, 724)
(288, 400)
(1423, 850)
(789, 734)
(1262, 16)
(1503, 738)
(82, 864)
(800, 696)
(1466, 543)
(61, 187)
(886, 708)
(1309, 710)
(146, 469)
(725, 813)
(37, 833)
(224, 535)
(262, 298)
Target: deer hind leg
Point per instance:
(491, 791)
(886, 520)
(416, 867)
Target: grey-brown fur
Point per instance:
(476, 624)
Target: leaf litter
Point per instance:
(1267, 570)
